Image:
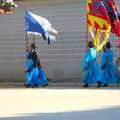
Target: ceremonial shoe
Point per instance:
(86, 86)
(105, 85)
(45, 85)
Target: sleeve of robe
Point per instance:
(27, 54)
(103, 60)
(86, 60)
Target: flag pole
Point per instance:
(86, 27)
(26, 40)
(86, 37)
(26, 35)
(33, 39)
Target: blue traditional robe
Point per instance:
(92, 71)
(29, 79)
(42, 77)
(34, 76)
(118, 69)
(108, 68)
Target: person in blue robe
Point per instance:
(34, 73)
(42, 79)
(118, 69)
(31, 67)
(107, 66)
(92, 73)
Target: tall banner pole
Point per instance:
(26, 40)
(33, 39)
(26, 35)
(86, 26)
(86, 37)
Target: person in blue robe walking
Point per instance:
(108, 67)
(34, 73)
(92, 73)
(42, 79)
(118, 69)
(31, 67)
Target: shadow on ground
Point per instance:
(102, 114)
(56, 85)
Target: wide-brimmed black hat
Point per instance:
(90, 44)
(33, 45)
(108, 45)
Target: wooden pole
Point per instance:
(86, 37)
(33, 39)
(87, 25)
(26, 35)
(86, 34)
(26, 41)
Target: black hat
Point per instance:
(90, 44)
(108, 45)
(33, 45)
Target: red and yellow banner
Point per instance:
(98, 22)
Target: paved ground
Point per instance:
(60, 103)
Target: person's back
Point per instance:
(118, 68)
(109, 57)
(107, 66)
(93, 54)
(33, 56)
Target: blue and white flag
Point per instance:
(39, 26)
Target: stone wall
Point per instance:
(62, 60)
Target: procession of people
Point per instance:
(107, 74)
(104, 74)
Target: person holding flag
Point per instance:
(34, 73)
(31, 65)
(36, 25)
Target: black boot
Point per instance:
(33, 86)
(105, 85)
(45, 85)
(86, 86)
(27, 85)
(117, 84)
(36, 85)
(99, 84)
